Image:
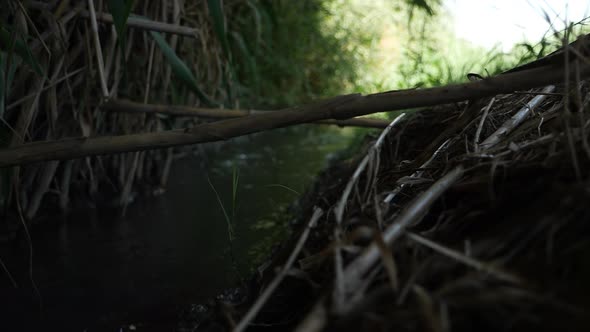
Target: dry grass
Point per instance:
(466, 219)
(76, 47)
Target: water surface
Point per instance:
(96, 268)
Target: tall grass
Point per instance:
(433, 56)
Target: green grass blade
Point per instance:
(180, 69)
(284, 187)
(235, 181)
(230, 228)
(120, 9)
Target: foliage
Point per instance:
(292, 52)
(433, 56)
(285, 57)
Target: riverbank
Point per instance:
(449, 226)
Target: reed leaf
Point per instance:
(180, 69)
(120, 10)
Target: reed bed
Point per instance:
(461, 217)
(76, 61)
(63, 62)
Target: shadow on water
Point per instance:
(96, 268)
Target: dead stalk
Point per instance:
(99, 59)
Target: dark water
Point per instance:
(97, 270)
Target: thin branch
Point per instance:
(125, 106)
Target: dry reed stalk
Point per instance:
(98, 48)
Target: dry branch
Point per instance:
(342, 107)
(125, 106)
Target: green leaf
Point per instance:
(180, 69)
(216, 12)
(120, 9)
(21, 48)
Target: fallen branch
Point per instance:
(125, 106)
(342, 107)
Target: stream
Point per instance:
(96, 270)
